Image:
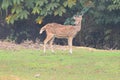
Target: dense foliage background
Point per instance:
(22, 19)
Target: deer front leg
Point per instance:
(70, 44)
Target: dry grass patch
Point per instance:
(9, 77)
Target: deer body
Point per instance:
(55, 30)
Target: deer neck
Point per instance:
(78, 26)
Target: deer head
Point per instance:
(77, 19)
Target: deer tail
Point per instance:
(42, 29)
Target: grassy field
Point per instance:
(83, 64)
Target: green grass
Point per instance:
(83, 64)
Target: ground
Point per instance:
(26, 62)
(27, 45)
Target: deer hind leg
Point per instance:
(51, 44)
(48, 38)
(70, 44)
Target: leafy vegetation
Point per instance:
(100, 20)
(21, 9)
(84, 63)
(115, 5)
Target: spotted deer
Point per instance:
(55, 30)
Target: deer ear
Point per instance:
(74, 17)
